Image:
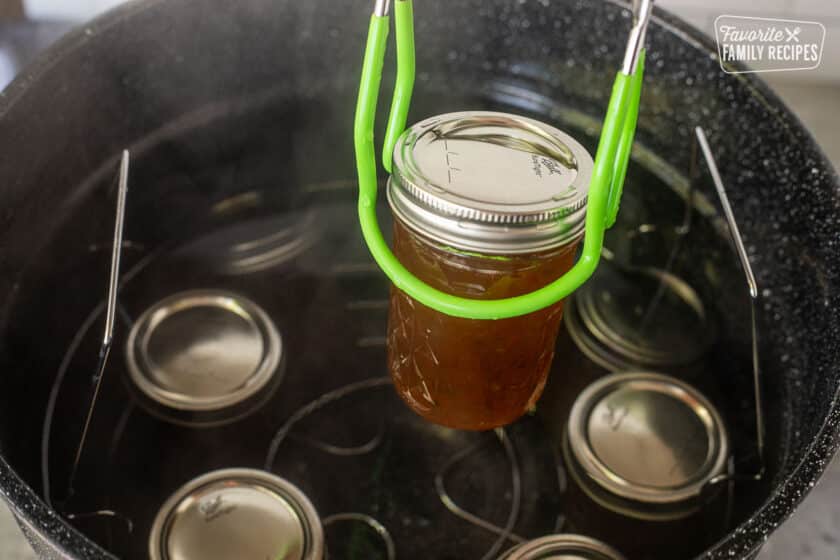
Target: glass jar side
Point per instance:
(463, 373)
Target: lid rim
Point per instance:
(467, 236)
(563, 544)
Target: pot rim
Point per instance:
(742, 541)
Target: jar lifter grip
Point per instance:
(611, 162)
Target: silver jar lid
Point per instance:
(562, 547)
(639, 319)
(256, 245)
(491, 182)
(237, 513)
(645, 445)
(204, 352)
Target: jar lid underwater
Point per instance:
(204, 357)
(562, 547)
(645, 445)
(237, 513)
(490, 182)
(643, 318)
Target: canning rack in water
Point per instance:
(115, 314)
(504, 534)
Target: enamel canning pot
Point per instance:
(219, 100)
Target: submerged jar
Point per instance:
(562, 547)
(486, 206)
(647, 458)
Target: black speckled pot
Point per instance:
(118, 81)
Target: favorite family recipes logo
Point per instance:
(768, 45)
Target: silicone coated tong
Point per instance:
(605, 189)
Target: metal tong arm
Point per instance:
(752, 287)
(632, 70)
(610, 169)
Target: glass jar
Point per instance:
(562, 547)
(237, 513)
(645, 457)
(640, 318)
(486, 206)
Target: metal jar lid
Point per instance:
(256, 245)
(642, 318)
(207, 353)
(237, 513)
(645, 445)
(562, 547)
(491, 182)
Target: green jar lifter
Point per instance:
(604, 192)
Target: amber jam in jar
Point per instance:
(464, 373)
(486, 206)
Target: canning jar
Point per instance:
(237, 513)
(562, 547)
(644, 454)
(628, 319)
(204, 358)
(486, 206)
(640, 318)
